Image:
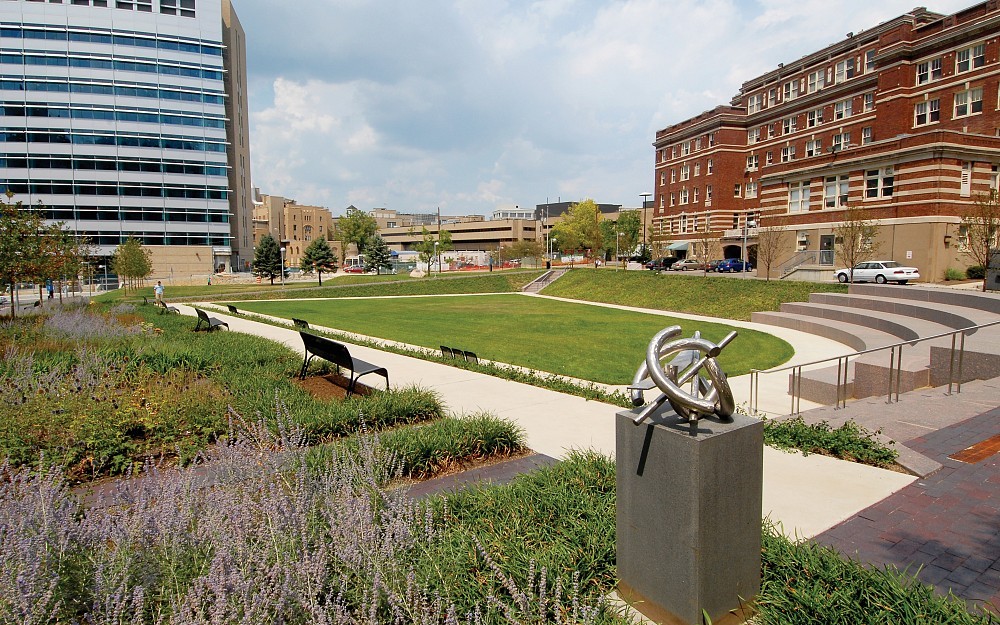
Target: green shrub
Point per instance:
(954, 274)
(849, 442)
(975, 272)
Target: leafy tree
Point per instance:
(355, 227)
(377, 255)
(629, 230)
(772, 241)
(581, 225)
(66, 255)
(705, 246)
(981, 225)
(267, 259)
(426, 249)
(317, 257)
(856, 238)
(132, 262)
(609, 233)
(527, 248)
(21, 245)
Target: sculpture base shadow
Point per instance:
(689, 516)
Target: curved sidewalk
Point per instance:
(806, 495)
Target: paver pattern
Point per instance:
(944, 528)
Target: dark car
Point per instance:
(733, 264)
(660, 264)
(713, 265)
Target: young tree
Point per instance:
(132, 262)
(21, 245)
(580, 224)
(377, 255)
(981, 225)
(526, 248)
(629, 230)
(317, 257)
(772, 240)
(267, 259)
(856, 238)
(427, 251)
(355, 227)
(705, 246)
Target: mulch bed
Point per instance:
(330, 386)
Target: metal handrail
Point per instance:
(895, 368)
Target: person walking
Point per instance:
(158, 292)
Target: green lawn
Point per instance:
(581, 341)
(711, 295)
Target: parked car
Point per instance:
(659, 264)
(713, 265)
(354, 269)
(880, 271)
(687, 263)
(733, 264)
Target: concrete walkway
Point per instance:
(805, 495)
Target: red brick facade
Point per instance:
(901, 119)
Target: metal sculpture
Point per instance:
(692, 361)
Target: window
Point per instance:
(869, 61)
(769, 158)
(843, 109)
(697, 169)
(753, 104)
(869, 102)
(995, 178)
(845, 71)
(772, 97)
(737, 189)
(879, 182)
(684, 196)
(697, 144)
(685, 148)
(928, 71)
(673, 198)
(684, 223)
(970, 58)
(752, 162)
(736, 220)
(751, 190)
(814, 148)
(966, 184)
(711, 139)
(790, 89)
(685, 172)
(788, 153)
(708, 167)
(841, 141)
(798, 197)
(866, 135)
(663, 178)
(835, 191)
(814, 118)
(708, 193)
(771, 128)
(788, 125)
(814, 82)
(753, 135)
(673, 151)
(694, 194)
(926, 112)
(969, 102)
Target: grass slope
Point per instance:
(714, 296)
(586, 342)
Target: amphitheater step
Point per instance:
(904, 327)
(952, 316)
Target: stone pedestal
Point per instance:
(689, 516)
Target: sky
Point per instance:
(470, 105)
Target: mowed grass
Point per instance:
(711, 295)
(576, 340)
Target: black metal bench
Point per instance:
(338, 354)
(469, 356)
(454, 352)
(167, 309)
(447, 352)
(232, 309)
(300, 323)
(211, 323)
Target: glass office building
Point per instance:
(119, 119)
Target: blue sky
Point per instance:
(473, 104)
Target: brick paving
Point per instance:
(947, 524)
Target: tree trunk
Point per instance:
(320, 272)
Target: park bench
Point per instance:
(167, 309)
(300, 323)
(338, 354)
(454, 352)
(232, 309)
(145, 301)
(447, 352)
(211, 323)
(470, 357)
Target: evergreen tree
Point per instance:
(267, 259)
(377, 254)
(318, 257)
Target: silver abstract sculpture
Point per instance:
(691, 358)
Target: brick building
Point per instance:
(901, 120)
(293, 225)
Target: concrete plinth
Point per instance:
(689, 516)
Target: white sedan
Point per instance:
(880, 271)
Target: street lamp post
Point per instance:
(747, 224)
(437, 255)
(618, 254)
(282, 265)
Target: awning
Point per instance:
(678, 246)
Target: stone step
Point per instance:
(858, 338)
(904, 327)
(949, 315)
(975, 300)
